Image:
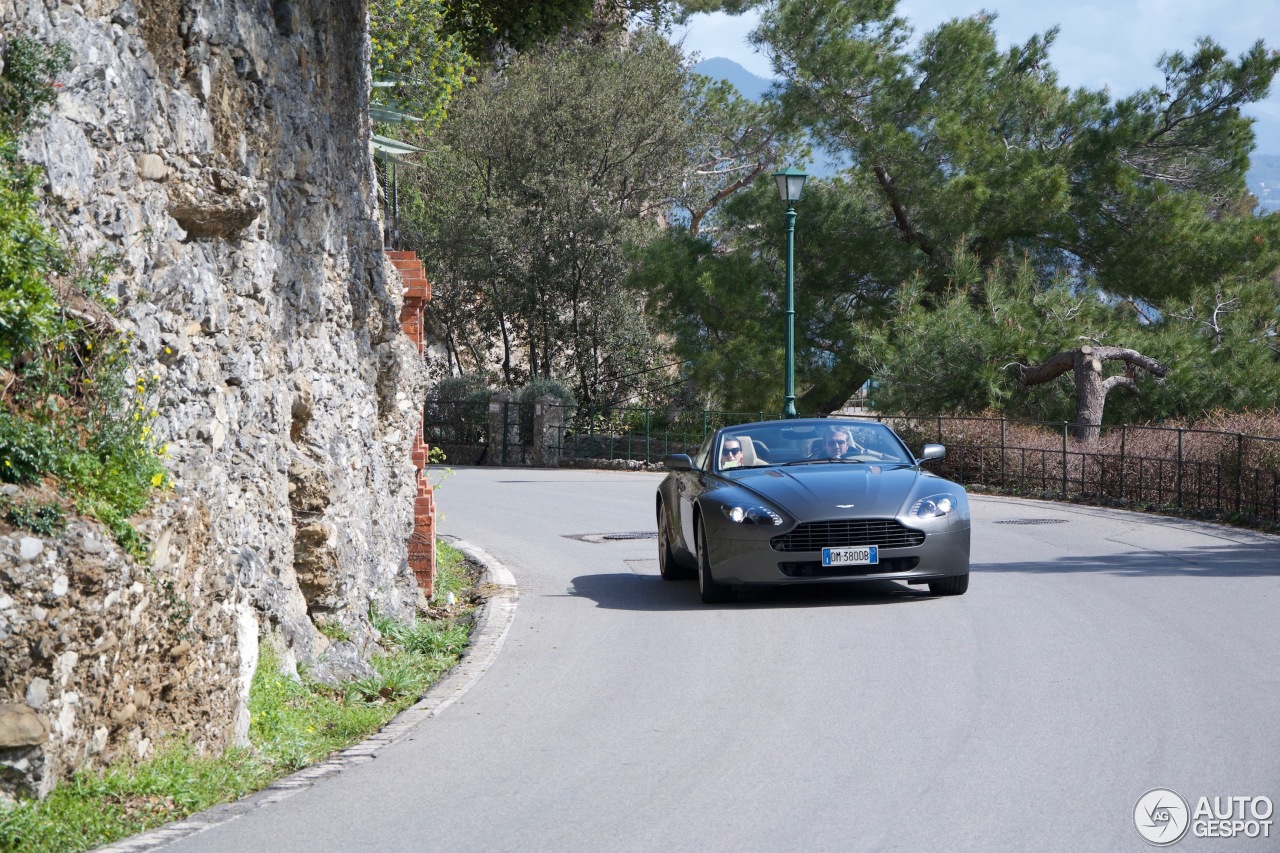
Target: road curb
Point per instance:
(492, 623)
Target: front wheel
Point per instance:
(712, 592)
(956, 585)
(668, 568)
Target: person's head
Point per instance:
(731, 453)
(837, 440)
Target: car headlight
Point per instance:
(934, 506)
(751, 514)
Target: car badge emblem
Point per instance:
(844, 506)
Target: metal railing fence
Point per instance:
(1221, 474)
(1218, 473)
(458, 427)
(640, 434)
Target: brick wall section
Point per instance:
(422, 544)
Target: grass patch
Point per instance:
(292, 724)
(95, 809)
(334, 631)
(296, 723)
(452, 574)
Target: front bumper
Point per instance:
(749, 559)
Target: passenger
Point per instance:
(731, 453)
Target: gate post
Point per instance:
(504, 431)
(548, 431)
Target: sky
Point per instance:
(1111, 43)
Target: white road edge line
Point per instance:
(492, 624)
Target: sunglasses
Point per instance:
(732, 450)
(839, 441)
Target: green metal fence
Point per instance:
(639, 434)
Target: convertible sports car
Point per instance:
(811, 501)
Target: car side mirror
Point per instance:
(678, 462)
(932, 451)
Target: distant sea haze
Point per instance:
(1263, 178)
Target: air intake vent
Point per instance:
(816, 535)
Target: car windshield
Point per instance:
(803, 442)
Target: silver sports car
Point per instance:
(811, 500)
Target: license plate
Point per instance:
(868, 556)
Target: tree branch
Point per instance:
(907, 230)
(1119, 382)
(1066, 360)
(1051, 369)
(1131, 357)
(696, 216)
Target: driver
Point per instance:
(838, 443)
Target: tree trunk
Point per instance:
(1091, 386)
(1091, 396)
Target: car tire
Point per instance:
(711, 591)
(956, 585)
(668, 567)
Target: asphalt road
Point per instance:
(1097, 655)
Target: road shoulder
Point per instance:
(492, 623)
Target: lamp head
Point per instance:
(790, 184)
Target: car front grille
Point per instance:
(816, 535)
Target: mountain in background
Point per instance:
(1263, 178)
(747, 84)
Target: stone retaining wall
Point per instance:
(220, 151)
(104, 658)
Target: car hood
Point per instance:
(817, 491)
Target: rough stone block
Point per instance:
(151, 167)
(20, 725)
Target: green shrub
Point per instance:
(26, 86)
(542, 387)
(528, 397)
(42, 518)
(462, 389)
(70, 409)
(28, 249)
(295, 723)
(334, 631)
(27, 449)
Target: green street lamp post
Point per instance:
(790, 185)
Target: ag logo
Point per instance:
(1161, 817)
